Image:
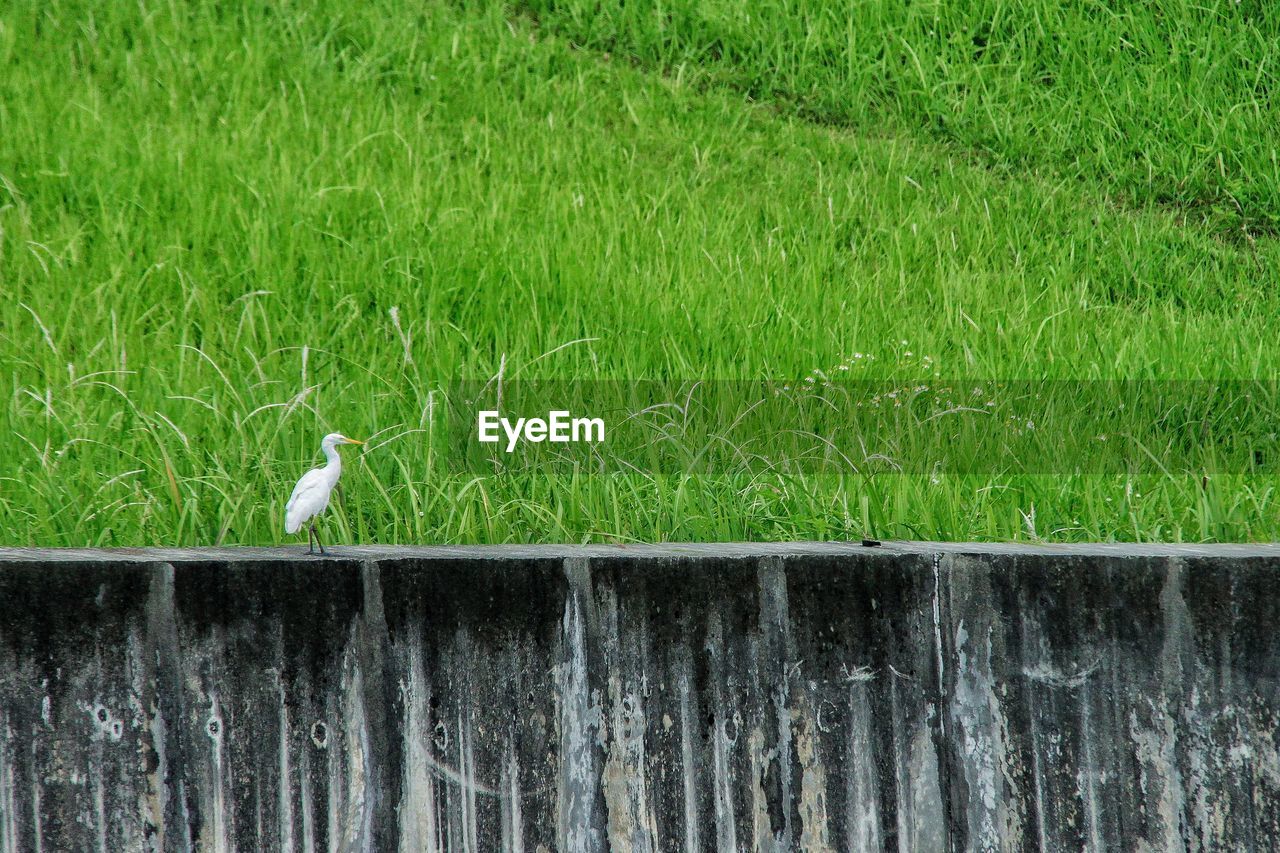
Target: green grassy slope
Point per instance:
(1159, 102)
(225, 233)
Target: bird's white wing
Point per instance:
(309, 497)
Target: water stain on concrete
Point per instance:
(809, 698)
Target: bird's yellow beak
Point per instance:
(353, 441)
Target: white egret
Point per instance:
(311, 495)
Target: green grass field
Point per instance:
(227, 231)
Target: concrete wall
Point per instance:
(773, 697)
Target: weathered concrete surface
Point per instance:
(771, 697)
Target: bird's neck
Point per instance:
(335, 461)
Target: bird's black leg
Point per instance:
(311, 548)
(317, 535)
